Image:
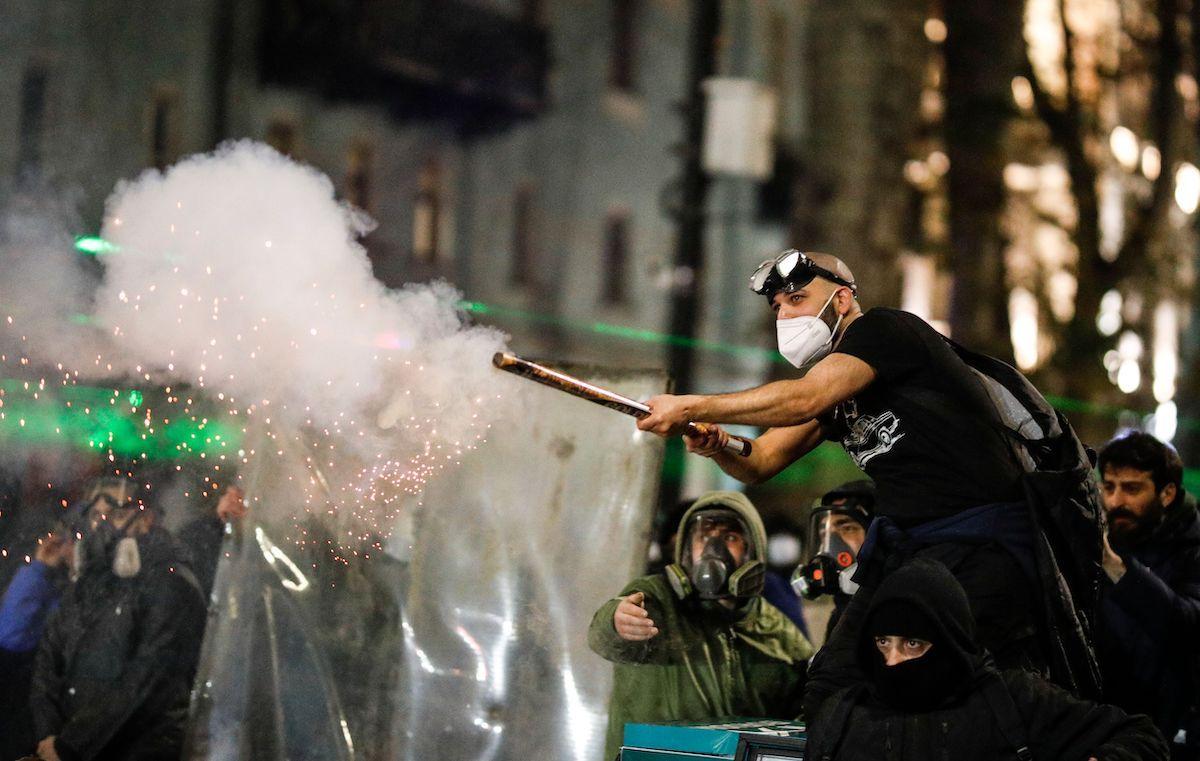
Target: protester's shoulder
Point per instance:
(171, 586)
(769, 623)
(894, 320)
(888, 331)
(201, 528)
(1031, 692)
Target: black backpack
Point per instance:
(1060, 488)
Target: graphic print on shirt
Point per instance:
(869, 436)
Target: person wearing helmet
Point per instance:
(698, 641)
(837, 528)
(113, 672)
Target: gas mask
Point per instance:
(715, 573)
(837, 533)
(101, 541)
(806, 340)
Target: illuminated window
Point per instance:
(622, 62)
(427, 213)
(616, 258)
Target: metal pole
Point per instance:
(689, 251)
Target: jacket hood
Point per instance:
(731, 500)
(929, 587)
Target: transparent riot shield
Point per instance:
(465, 638)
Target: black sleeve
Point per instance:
(46, 688)
(200, 546)
(1161, 610)
(885, 340)
(835, 665)
(1063, 726)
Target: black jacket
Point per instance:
(114, 670)
(200, 541)
(1057, 727)
(984, 715)
(1150, 625)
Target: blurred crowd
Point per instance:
(102, 621)
(707, 635)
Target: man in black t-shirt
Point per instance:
(894, 393)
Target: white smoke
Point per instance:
(239, 272)
(45, 290)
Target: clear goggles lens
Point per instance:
(774, 273)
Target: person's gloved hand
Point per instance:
(631, 620)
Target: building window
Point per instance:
(523, 255)
(427, 213)
(31, 123)
(281, 135)
(622, 64)
(358, 174)
(615, 261)
(164, 143)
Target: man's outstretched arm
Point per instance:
(785, 403)
(773, 451)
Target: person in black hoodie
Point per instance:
(1150, 605)
(928, 691)
(113, 672)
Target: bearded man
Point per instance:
(1150, 611)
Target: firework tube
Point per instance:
(511, 363)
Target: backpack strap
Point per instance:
(1011, 726)
(835, 726)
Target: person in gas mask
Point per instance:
(698, 641)
(837, 528)
(929, 691)
(113, 672)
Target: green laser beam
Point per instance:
(95, 246)
(110, 420)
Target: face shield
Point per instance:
(836, 535)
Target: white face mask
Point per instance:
(806, 340)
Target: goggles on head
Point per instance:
(791, 271)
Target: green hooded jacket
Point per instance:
(705, 662)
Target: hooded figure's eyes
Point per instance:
(906, 647)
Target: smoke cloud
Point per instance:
(239, 274)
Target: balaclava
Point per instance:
(920, 600)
